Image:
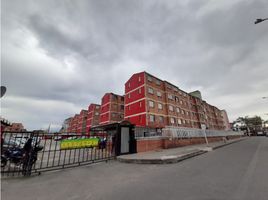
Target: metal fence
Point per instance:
(177, 132)
(27, 153)
(141, 132)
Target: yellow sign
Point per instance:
(79, 143)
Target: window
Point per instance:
(160, 106)
(187, 113)
(172, 121)
(170, 108)
(170, 96)
(183, 121)
(140, 104)
(129, 84)
(151, 104)
(158, 82)
(159, 94)
(182, 112)
(129, 95)
(122, 107)
(97, 113)
(181, 102)
(161, 119)
(150, 78)
(178, 110)
(97, 107)
(139, 90)
(150, 90)
(151, 118)
(113, 115)
(139, 79)
(179, 121)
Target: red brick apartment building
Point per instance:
(112, 108)
(73, 127)
(93, 117)
(152, 102)
(82, 120)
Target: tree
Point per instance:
(252, 124)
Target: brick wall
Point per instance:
(151, 144)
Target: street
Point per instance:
(236, 171)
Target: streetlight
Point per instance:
(260, 20)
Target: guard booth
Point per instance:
(122, 134)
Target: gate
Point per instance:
(27, 153)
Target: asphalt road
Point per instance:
(237, 171)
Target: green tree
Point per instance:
(251, 123)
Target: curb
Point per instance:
(175, 159)
(231, 142)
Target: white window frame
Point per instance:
(159, 94)
(160, 106)
(151, 118)
(172, 120)
(151, 104)
(170, 96)
(150, 90)
(171, 108)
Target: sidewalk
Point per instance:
(165, 156)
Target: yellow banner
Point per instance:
(79, 143)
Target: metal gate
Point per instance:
(28, 152)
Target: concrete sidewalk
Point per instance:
(165, 156)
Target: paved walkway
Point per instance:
(165, 156)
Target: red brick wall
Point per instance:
(144, 145)
(148, 144)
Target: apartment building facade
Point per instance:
(82, 120)
(152, 102)
(73, 127)
(93, 116)
(112, 108)
(225, 120)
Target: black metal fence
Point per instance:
(23, 154)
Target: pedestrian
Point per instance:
(27, 149)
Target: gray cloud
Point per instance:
(70, 53)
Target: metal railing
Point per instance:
(178, 132)
(141, 132)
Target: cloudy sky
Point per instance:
(59, 56)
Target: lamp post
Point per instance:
(260, 20)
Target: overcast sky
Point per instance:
(60, 56)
